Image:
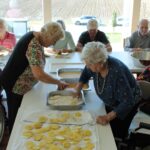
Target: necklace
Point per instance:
(97, 85)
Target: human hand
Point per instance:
(66, 51)
(137, 49)
(75, 93)
(103, 120)
(62, 85)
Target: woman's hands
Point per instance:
(105, 119)
(62, 85)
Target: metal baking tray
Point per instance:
(73, 81)
(65, 107)
(69, 72)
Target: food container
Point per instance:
(73, 82)
(69, 72)
(141, 58)
(63, 100)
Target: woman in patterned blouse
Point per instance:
(25, 66)
(114, 85)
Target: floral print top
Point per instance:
(35, 56)
(145, 75)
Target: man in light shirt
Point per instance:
(140, 39)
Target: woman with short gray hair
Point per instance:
(114, 85)
(26, 66)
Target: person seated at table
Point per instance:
(66, 44)
(144, 82)
(140, 39)
(25, 66)
(93, 34)
(7, 39)
(114, 84)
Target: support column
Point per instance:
(47, 11)
(132, 14)
(135, 14)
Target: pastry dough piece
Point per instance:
(37, 125)
(30, 145)
(27, 134)
(66, 145)
(37, 137)
(86, 133)
(42, 119)
(29, 127)
(90, 146)
(78, 114)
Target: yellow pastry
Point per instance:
(42, 119)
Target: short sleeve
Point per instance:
(104, 39)
(85, 75)
(82, 39)
(34, 53)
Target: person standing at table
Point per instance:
(25, 66)
(140, 39)
(93, 34)
(114, 84)
(7, 39)
(66, 44)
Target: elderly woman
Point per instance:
(7, 39)
(25, 66)
(66, 44)
(93, 34)
(114, 85)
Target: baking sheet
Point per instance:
(55, 97)
(70, 117)
(55, 66)
(65, 137)
(69, 72)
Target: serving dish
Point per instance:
(64, 100)
(69, 72)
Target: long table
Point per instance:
(36, 99)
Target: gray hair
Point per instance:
(92, 24)
(61, 22)
(3, 22)
(52, 30)
(144, 21)
(94, 52)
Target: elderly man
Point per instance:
(140, 39)
(93, 34)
